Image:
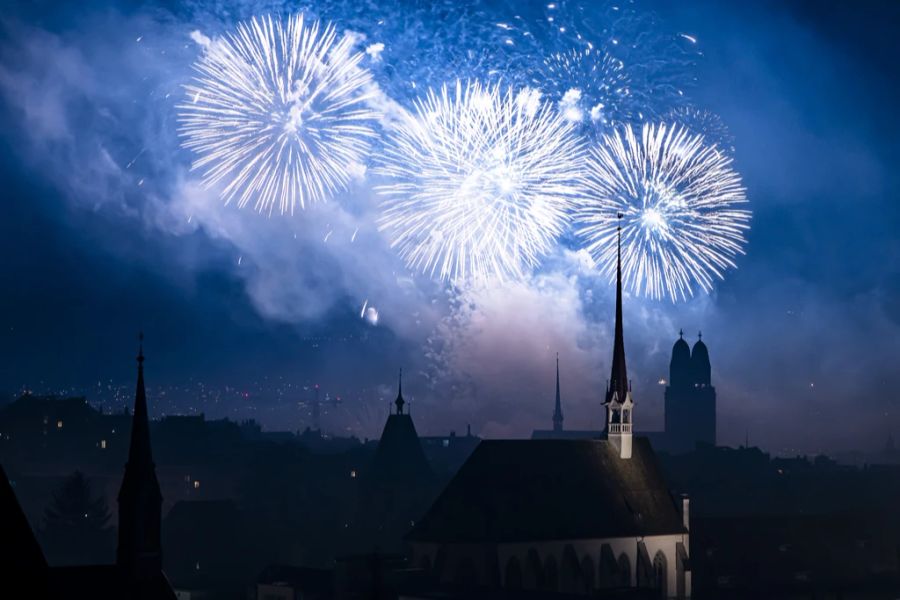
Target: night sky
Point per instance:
(104, 232)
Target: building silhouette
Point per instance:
(572, 516)
(137, 572)
(690, 402)
(690, 398)
(397, 485)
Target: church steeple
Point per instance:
(557, 413)
(399, 402)
(618, 395)
(618, 379)
(140, 500)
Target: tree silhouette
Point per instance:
(76, 529)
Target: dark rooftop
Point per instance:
(530, 490)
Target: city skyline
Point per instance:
(806, 317)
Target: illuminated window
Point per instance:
(353, 474)
(196, 485)
(103, 444)
(59, 424)
(446, 443)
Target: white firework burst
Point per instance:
(278, 114)
(483, 180)
(681, 211)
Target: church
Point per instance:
(137, 573)
(690, 404)
(582, 516)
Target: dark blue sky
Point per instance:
(804, 335)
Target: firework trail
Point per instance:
(680, 201)
(482, 181)
(277, 114)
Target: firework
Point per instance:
(483, 180)
(589, 85)
(278, 114)
(708, 124)
(680, 201)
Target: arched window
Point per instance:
(512, 576)
(644, 568)
(623, 571)
(608, 568)
(534, 571)
(661, 574)
(465, 575)
(551, 575)
(587, 574)
(570, 572)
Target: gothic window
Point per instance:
(512, 578)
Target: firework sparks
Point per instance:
(482, 182)
(278, 114)
(589, 84)
(680, 201)
(704, 122)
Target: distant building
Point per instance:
(396, 487)
(690, 398)
(573, 516)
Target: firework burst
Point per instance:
(704, 122)
(278, 114)
(589, 85)
(483, 180)
(680, 201)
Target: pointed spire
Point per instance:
(618, 380)
(681, 334)
(140, 500)
(399, 402)
(139, 453)
(557, 413)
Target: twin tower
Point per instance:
(690, 398)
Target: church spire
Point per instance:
(140, 500)
(618, 379)
(557, 413)
(139, 453)
(399, 402)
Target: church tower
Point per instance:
(557, 412)
(690, 398)
(619, 406)
(139, 552)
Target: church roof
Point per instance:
(399, 457)
(540, 490)
(19, 550)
